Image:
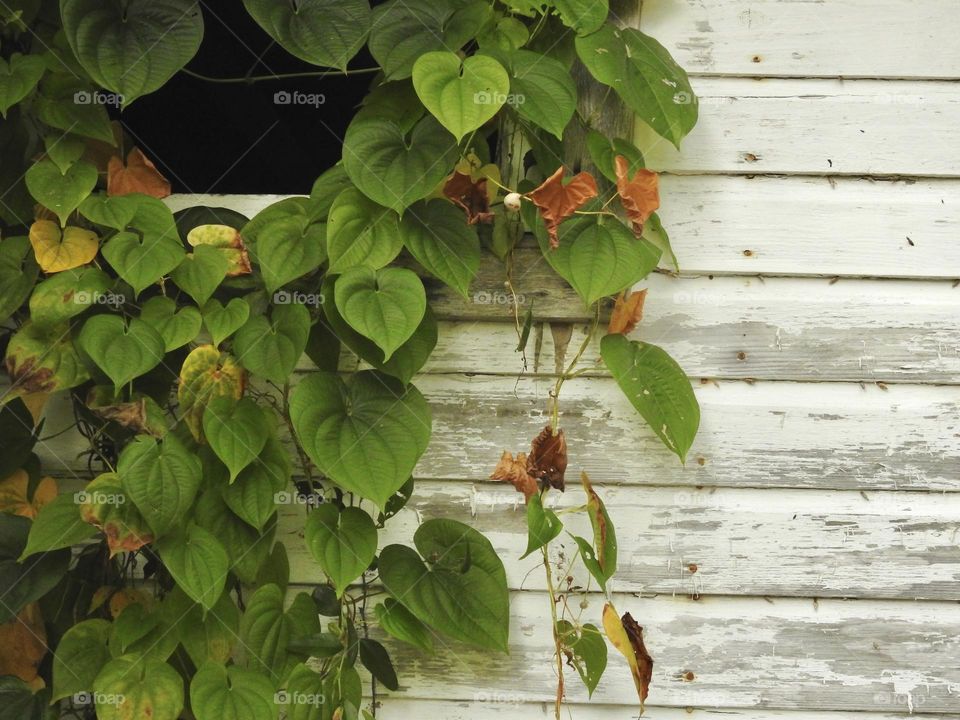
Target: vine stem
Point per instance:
(286, 76)
(569, 372)
(558, 651)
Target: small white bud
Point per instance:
(512, 202)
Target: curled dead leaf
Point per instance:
(471, 195)
(548, 457)
(138, 175)
(627, 637)
(514, 471)
(627, 312)
(640, 195)
(557, 201)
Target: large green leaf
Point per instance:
(69, 293)
(206, 636)
(176, 326)
(247, 549)
(18, 77)
(289, 247)
(134, 688)
(403, 30)
(436, 235)
(162, 479)
(385, 305)
(201, 272)
(657, 387)
(366, 435)
(400, 623)
(461, 94)
(252, 496)
(343, 543)
(58, 525)
(18, 274)
(198, 563)
(81, 654)
(61, 192)
(404, 363)
(141, 260)
(396, 168)
(645, 76)
(376, 659)
(56, 106)
(360, 232)
(207, 374)
(122, 351)
(544, 91)
(222, 321)
(236, 431)
(584, 16)
(462, 590)
(271, 347)
(220, 693)
(132, 47)
(322, 32)
(266, 630)
(598, 259)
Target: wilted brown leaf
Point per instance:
(627, 637)
(627, 312)
(514, 471)
(13, 495)
(230, 243)
(557, 201)
(24, 643)
(471, 195)
(639, 195)
(139, 175)
(548, 457)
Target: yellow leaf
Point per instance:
(24, 643)
(627, 637)
(13, 494)
(57, 252)
(35, 403)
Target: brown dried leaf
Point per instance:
(514, 471)
(13, 495)
(627, 637)
(627, 312)
(548, 457)
(24, 643)
(139, 175)
(557, 201)
(640, 195)
(471, 195)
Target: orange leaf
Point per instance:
(514, 471)
(548, 457)
(138, 176)
(13, 495)
(471, 195)
(640, 196)
(627, 637)
(627, 312)
(24, 643)
(557, 201)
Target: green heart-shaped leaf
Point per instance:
(461, 94)
(57, 525)
(252, 496)
(141, 261)
(201, 272)
(598, 259)
(81, 654)
(236, 431)
(584, 16)
(122, 351)
(406, 361)
(360, 232)
(383, 305)
(57, 106)
(220, 693)
(288, 248)
(139, 688)
(266, 630)
(198, 563)
(367, 435)
(544, 90)
(176, 327)
(323, 32)
(64, 150)
(18, 77)
(271, 347)
(462, 589)
(436, 235)
(207, 374)
(657, 387)
(343, 543)
(247, 549)
(68, 294)
(205, 636)
(394, 168)
(114, 212)
(132, 48)
(60, 192)
(222, 321)
(162, 479)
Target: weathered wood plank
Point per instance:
(822, 127)
(685, 541)
(782, 435)
(851, 38)
(746, 653)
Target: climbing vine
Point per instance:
(201, 351)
